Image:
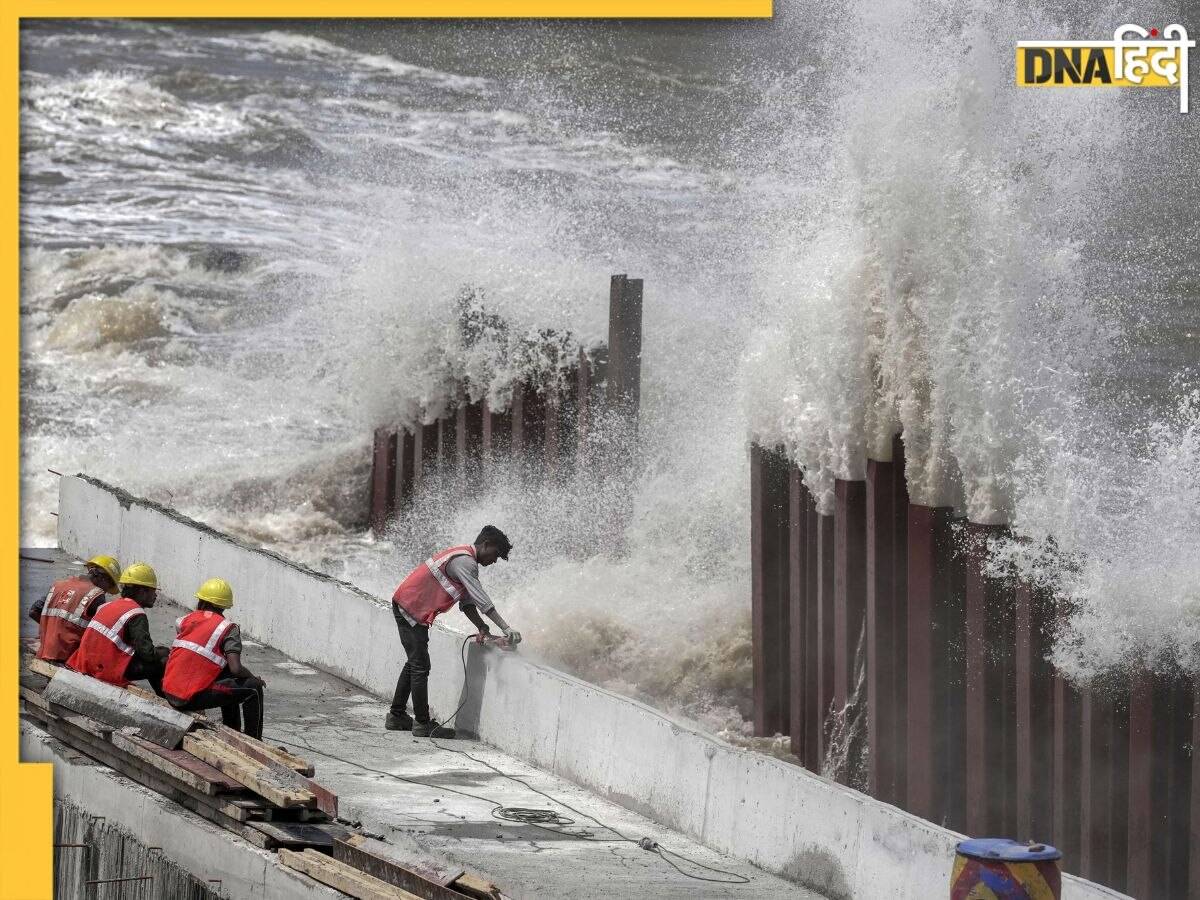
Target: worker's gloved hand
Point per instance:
(514, 636)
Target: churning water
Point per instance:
(243, 244)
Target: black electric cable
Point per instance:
(538, 818)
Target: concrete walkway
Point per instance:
(438, 797)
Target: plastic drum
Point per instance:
(1002, 869)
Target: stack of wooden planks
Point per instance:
(261, 793)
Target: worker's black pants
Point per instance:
(148, 672)
(237, 702)
(414, 677)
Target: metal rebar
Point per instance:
(116, 880)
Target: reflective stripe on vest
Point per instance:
(114, 633)
(64, 617)
(427, 591)
(194, 665)
(103, 652)
(206, 649)
(453, 589)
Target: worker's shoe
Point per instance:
(431, 729)
(402, 722)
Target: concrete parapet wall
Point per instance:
(776, 815)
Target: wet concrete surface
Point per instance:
(440, 799)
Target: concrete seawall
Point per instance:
(776, 815)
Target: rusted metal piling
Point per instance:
(929, 599)
(799, 500)
(990, 713)
(770, 613)
(968, 722)
(546, 428)
(1034, 712)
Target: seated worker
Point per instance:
(116, 645)
(65, 612)
(205, 671)
(446, 578)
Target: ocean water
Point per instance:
(243, 243)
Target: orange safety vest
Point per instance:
(64, 617)
(196, 659)
(428, 591)
(102, 651)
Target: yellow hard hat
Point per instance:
(108, 564)
(141, 574)
(217, 592)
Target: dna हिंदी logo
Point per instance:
(1134, 57)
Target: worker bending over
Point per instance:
(116, 645)
(64, 613)
(205, 671)
(446, 578)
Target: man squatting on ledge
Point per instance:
(446, 578)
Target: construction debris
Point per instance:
(263, 794)
(118, 707)
(345, 878)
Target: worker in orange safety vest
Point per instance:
(65, 611)
(116, 645)
(205, 671)
(432, 588)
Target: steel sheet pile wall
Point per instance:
(967, 723)
(544, 427)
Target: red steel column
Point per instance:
(468, 435)
(1179, 786)
(383, 474)
(448, 444)
(1194, 798)
(814, 712)
(825, 631)
(625, 346)
(1067, 735)
(849, 583)
(1096, 794)
(496, 434)
(990, 696)
(899, 688)
(881, 662)
(552, 443)
(1035, 715)
(799, 501)
(1141, 785)
(769, 583)
(929, 590)
(402, 484)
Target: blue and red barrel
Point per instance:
(1003, 869)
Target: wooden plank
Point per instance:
(285, 766)
(264, 752)
(214, 810)
(246, 770)
(84, 723)
(43, 667)
(474, 886)
(423, 878)
(300, 834)
(33, 681)
(117, 707)
(177, 764)
(344, 878)
(34, 698)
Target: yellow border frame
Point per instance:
(26, 789)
